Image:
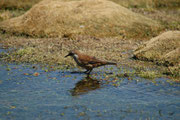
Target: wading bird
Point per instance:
(86, 61)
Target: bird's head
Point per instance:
(72, 53)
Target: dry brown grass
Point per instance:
(98, 18)
(4, 15)
(169, 18)
(166, 12)
(163, 49)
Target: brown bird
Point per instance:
(86, 61)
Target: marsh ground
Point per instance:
(52, 50)
(36, 82)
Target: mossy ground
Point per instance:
(39, 50)
(52, 50)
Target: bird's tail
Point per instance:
(111, 63)
(105, 63)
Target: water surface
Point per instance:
(30, 92)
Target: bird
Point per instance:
(87, 62)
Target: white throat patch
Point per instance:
(76, 56)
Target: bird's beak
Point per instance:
(67, 55)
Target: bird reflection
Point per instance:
(85, 85)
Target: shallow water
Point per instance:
(33, 93)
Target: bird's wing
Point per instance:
(90, 60)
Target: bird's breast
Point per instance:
(77, 61)
(81, 64)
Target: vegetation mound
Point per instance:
(65, 18)
(26, 4)
(163, 49)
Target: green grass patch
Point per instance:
(148, 74)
